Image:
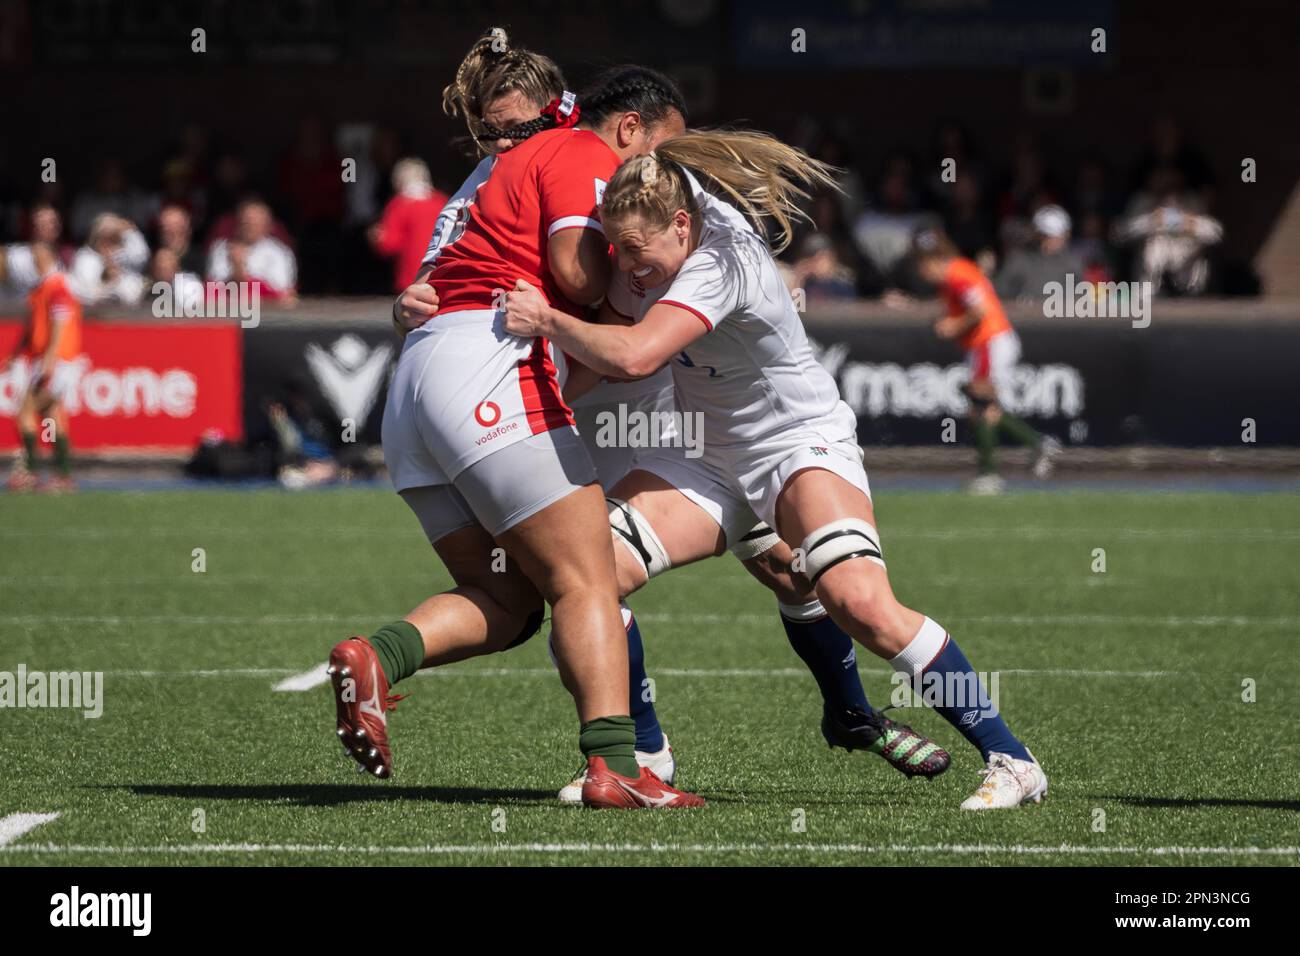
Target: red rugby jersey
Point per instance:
(551, 181)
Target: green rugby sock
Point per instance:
(400, 648)
(985, 441)
(613, 738)
(29, 449)
(1018, 430)
(62, 453)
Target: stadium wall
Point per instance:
(1190, 380)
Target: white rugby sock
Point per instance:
(920, 650)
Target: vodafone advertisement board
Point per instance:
(147, 387)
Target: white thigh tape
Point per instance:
(839, 541)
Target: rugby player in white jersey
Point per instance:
(707, 300)
(507, 95)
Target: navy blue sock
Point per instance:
(829, 654)
(649, 735)
(949, 679)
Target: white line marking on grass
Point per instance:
(16, 824)
(1064, 849)
(304, 681)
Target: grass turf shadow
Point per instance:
(1187, 803)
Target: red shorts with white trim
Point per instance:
(463, 389)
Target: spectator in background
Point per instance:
(18, 272)
(1172, 233)
(108, 269)
(820, 273)
(226, 226)
(402, 234)
(311, 184)
(254, 255)
(186, 287)
(175, 234)
(1051, 259)
(884, 232)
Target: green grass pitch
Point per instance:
(1127, 684)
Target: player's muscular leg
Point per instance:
(685, 530)
(856, 592)
(774, 569)
(488, 609)
(566, 551)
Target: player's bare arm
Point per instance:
(628, 351)
(955, 326)
(417, 304)
(579, 262)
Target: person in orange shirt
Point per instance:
(50, 343)
(974, 318)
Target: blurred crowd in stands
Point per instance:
(1024, 219)
(310, 225)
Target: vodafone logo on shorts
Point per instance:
(487, 414)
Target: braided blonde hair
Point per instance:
(493, 68)
(761, 175)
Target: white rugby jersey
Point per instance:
(753, 374)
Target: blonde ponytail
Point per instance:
(760, 174)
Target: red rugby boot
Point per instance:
(362, 701)
(604, 788)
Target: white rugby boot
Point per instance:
(1045, 461)
(986, 485)
(1008, 782)
(660, 763)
